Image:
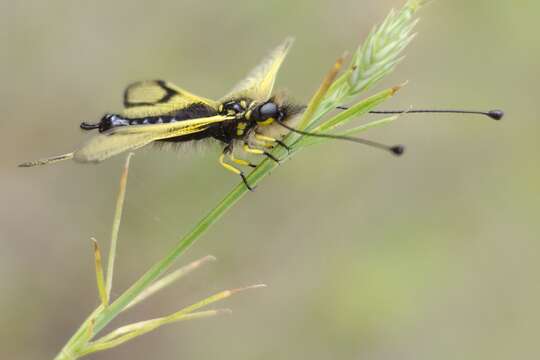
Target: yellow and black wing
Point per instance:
(157, 98)
(259, 83)
(125, 138)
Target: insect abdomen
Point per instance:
(194, 111)
(111, 121)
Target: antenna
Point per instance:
(493, 114)
(396, 149)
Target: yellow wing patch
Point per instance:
(259, 83)
(158, 98)
(125, 138)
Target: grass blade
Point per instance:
(116, 224)
(170, 279)
(100, 279)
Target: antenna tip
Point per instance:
(398, 150)
(496, 114)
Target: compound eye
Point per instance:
(268, 110)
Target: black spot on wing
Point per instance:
(169, 93)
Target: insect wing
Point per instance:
(121, 139)
(158, 97)
(259, 83)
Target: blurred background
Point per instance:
(431, 256)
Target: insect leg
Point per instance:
(265, 141)
(240, 161)
(268, 139)
(251, 150)
(232, 168)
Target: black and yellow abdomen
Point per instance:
(110, 121)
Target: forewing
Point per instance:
(259, 83)
(158, 97)
(125, 138)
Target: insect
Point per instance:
(158, 111)
(249, 117)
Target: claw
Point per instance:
(272, 157)
(282, 144)
(246, 182)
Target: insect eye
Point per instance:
(268, 110)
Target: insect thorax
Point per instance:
(238, 127)
(263, 117)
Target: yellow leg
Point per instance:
(234, 170)
(228, 166)
(251, 150)
(271, 140)
(265, 138)
(266, 141)
(241, 161)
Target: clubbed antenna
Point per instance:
(493, 114)
(396, 149)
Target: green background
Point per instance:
(431, 256)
